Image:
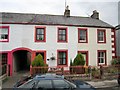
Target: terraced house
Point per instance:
(24, 35)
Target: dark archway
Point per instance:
(22, 60)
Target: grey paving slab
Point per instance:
(12, 80)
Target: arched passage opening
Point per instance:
(21, 59)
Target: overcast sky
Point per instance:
(108, 9)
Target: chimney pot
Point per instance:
(95, 14)
(67, 12)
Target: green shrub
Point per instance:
(79, 60)
(115, 61)
(38, 61)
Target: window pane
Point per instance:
(64, 32)
(38, 37)
(82, 38)
(40, 31)
(60, 31)
(64, 55)
(44, 84)
(100, 38)
(41, 37)
(102, 60)
(4, 31)
(64, 61)
(82, 32)
(60, 37)
(3, 36)
(63, 38)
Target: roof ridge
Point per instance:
(40, 14)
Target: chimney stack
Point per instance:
(67, 12)
(95, 15)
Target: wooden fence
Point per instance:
(81, 72)
(42, 70)
(4, 69)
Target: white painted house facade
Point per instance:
(23, 36)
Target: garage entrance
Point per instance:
(21, 60)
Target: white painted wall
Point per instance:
(23, 36)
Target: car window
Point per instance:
(82, 84)
(61, 84)
(28, 84)
(44, 84)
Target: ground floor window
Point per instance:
(3, 63)
(62, 57)
(3, 57)
(101, 57)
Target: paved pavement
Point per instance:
(12, 80)
(104, 84)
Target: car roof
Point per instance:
(48, 77)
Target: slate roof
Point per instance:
(25, 18)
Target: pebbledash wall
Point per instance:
(22, 37)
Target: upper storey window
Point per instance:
(62, 34)
(101, 36)
(40, 34)
(4, 33)
(82, 35)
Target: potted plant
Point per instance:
(52, 58)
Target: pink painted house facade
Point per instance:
(23, 36)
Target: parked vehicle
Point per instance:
(51, 82)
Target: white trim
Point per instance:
(113, 43)
(113, 49)
(112, 33)
(113, 54)
(112, 39)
